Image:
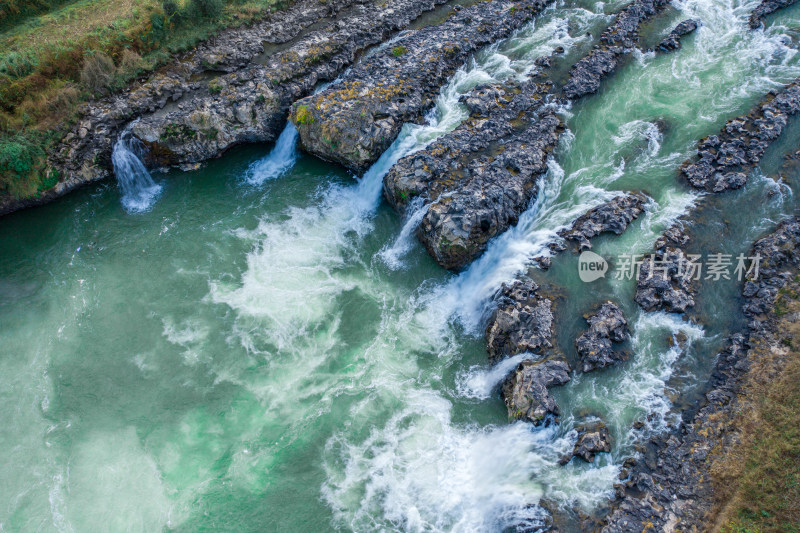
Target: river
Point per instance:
(264, 346)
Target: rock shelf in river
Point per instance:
(678, 487)
(526, 390)
(356, 120)
(617, 40)
(723, 160)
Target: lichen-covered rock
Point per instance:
(723, 160)
(673, 40)
(612, 217)
(522, 321)
(665, 278)
(593, 438)
(617, 40)
(606, 326)
(356, 120)
(765, 8)
(526, 393)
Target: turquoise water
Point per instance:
(268, 348)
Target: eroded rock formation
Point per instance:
(526, 393)
(607, 325)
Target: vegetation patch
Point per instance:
(57, 54)
(758, 481)
(302, 115)
(397, 51)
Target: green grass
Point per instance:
(45, 46)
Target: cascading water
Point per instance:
(279, 161)
(246, 356)
(138, 189)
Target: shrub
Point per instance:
(171, 8)
(17, 64)
(397, 51)
(98, 72)
(206, 8)
(20, 158)
(129, 63)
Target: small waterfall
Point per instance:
(139, 191)
(280, 160)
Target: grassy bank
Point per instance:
(57, 54)
(758, 481)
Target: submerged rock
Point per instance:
(607, 325)
(593, 438)
(765, 8)
(723, 160)
(522, 321)
(526, 393)
(664, 282)
(612, 217)
(617, 40)
(673, 40)
(356, 120)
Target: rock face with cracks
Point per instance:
(522, 321)
(526, 393)
(665, 278)
(189, 112)
(593, 438)
(609, 217)
(356, 120)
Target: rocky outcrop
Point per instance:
(355, 121)
(521, 322)
(593, 438)
(609, 217)
(189, 112)
(617, 40)
(673, 40)
(664, 281)
(765, 8)
(606, 326)
(251, 104)
(675, 487)
(526, 393)
(723, 160)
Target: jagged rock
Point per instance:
(593, 438)
(665, 277)
(765, 8)
(617, 40)
(522, 321)
(525, 391)
(673, 40)
(612, 216)
(723, 160)
(356, 120)
(607, 325)
(189, 113)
